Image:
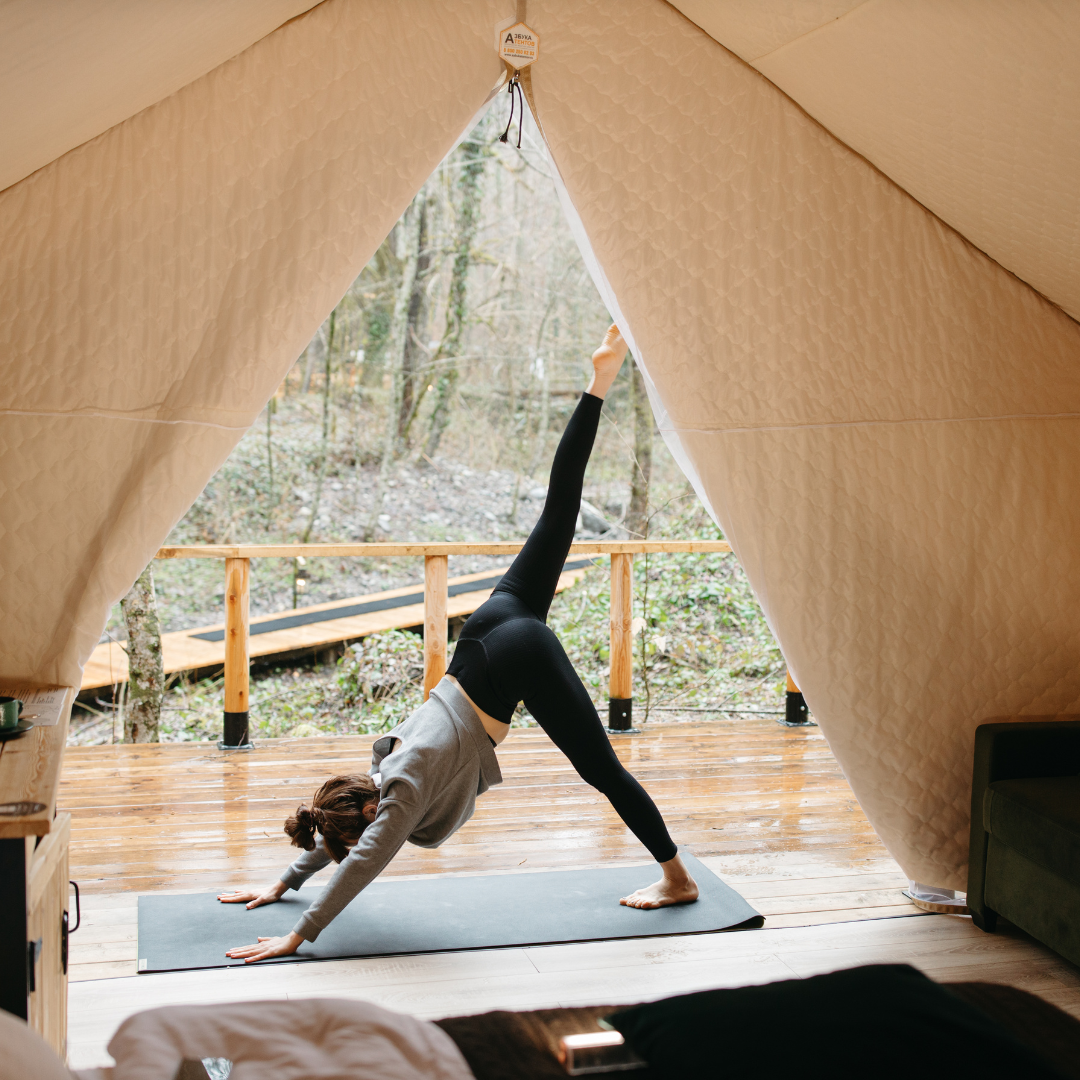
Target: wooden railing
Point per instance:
(436, 555)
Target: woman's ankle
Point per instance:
(675, 871)
(599, 387)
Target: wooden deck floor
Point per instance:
(744, 793)
(187, 816)
(765, 806)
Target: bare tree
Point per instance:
(146, 674)
(324, 442)
(641, 468)
(399, 330)
(310, 355)
(271, 408)
(415, 352)
(484, 254)
(473, 156)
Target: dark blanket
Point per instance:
(524, 1045)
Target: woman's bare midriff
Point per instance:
(495, 728)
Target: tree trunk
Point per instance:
(399, 328)
(414, 353)
(271, 408)
(473, 158)
(324, 447)
(637, 519)
(385, 268)
(309, 361)
(146, 676)
(544, 366)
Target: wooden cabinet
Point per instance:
(47, 921)
(34, 880)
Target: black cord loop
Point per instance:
(511, 86)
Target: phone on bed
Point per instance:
(597, 1052)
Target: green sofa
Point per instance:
(1025, 830)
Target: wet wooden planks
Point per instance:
(765, 806)
(189, 816)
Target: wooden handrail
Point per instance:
(237, 589)
(455, 547)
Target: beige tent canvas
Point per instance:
(843, 238)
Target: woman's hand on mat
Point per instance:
(267, 947)
(255, 899)
(606, 362)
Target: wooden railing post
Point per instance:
(796, 714)
(435, 574)
(621, 693)
(237, 585)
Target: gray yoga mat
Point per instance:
(438, 914)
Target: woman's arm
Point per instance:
(395, 822)
(381, 841)
(305, 864)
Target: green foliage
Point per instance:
(375, 685)
(376, 330)
(382, 677)
(701, 635)
(285, 703)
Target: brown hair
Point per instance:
(336, 812)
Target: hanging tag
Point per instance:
(519, 46)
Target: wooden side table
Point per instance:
(34, 921)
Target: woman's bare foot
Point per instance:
(675, 887)
(606, 362)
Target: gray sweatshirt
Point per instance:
(429, 789)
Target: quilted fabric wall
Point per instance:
(157, 282)
(971, 106)
(883, 420)
(70, 69)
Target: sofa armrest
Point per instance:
(1041, 746)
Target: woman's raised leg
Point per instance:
(534, 574)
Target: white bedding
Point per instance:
(308, 1039)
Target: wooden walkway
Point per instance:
(190, 650)
(765, 806)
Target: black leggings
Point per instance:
(506, 653)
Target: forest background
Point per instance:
(428, 407)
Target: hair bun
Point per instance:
(336, 811)
(302, 825)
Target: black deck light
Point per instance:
(796, 712)
(623, 628)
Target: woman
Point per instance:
(427, 773)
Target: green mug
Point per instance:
(10, 708)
